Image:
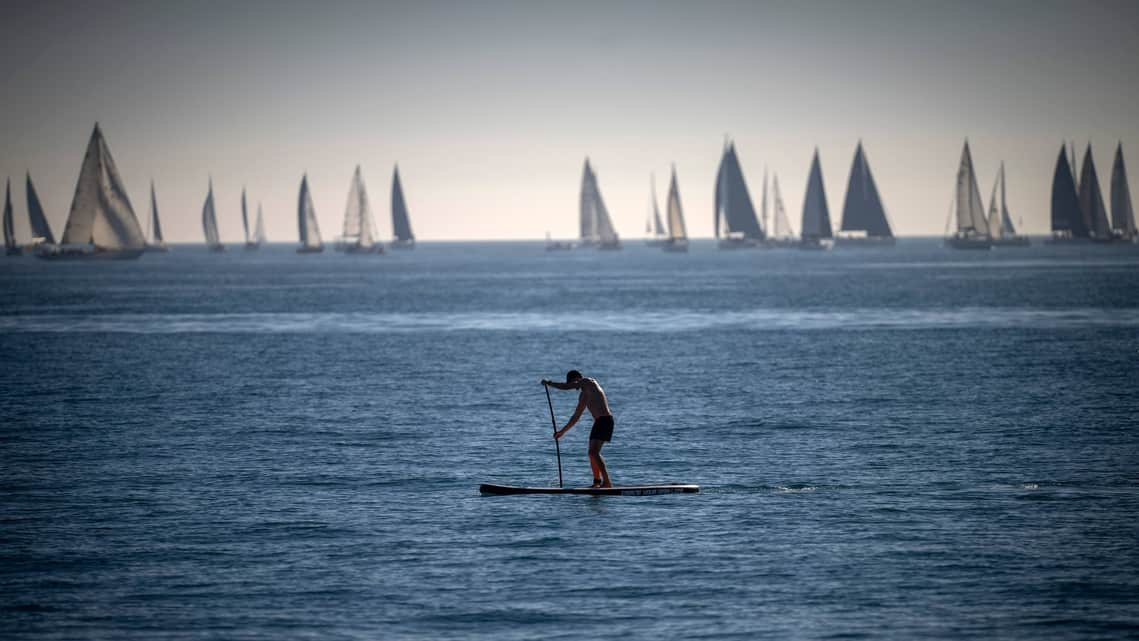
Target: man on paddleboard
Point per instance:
(593, 398)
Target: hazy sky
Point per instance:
(490, 107)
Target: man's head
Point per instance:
(573, 376)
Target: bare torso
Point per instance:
(594, 398)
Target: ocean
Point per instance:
(898, 443)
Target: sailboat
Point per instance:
(101, 224)
(864, 221)
(654, 229)
(1091, 202)
(259, 235)
(782, 235)
(734, 218)
(677, 233)
(972, 228)
(816, 224)
(156, 244)
(1000, 223)
(596, 226)
(250, 242)
(210, 222)
(358, 236)
(11, 247)
(1122, 215)
(41, 230)
(306, 222)
(1067, 218)
(401, 224)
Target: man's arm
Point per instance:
(573, 419)
(557, 385)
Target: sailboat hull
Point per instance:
(1012, 241)
(865, 241)
(969, 242)
(402, 244)
(816, 244)
(13, 251)
(739, 243)
(676, 247)
(358, 249)
(609, 246)
(87, 253)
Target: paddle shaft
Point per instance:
(557, 445)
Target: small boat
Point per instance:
(259, 236)
(101, 224)
(734, 221)
(1068, 224)
(41, 230)
(1000, 223)
(306, 222)
(816, 226)
(864, 221)
(11, 247)
(654, 228)
(359, 230)
(1122, 215)
(972, 227)
(625, 490)
(1091, 202)
(155, 244)
(596, 226)
(556, 245)
(401, 223)
(782, 235)
(677, 233)
(210, 222)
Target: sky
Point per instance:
(490, 108)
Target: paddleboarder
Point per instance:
(592, 397)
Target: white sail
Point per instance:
(306, 219)
(763, 202)
(970, 211)
(101, 214)
(676, 229)
(210, 220)
(653, 225)
(994, 208)
(358, 224)
(596, 226)
(41, 230)
(782, 222)
(259, 234)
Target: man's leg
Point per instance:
(598, 463)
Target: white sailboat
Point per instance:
(358, 236)
(210, 222)
(1122, 215)
(306, 222)
(972, 227)
(259, 236)
(596, 226)
(101, 223)
(782, 235)
(1000, 223)
(677, 232)
(816, 223)
(654, 228)
(41, 230)
(401, 223)
(154, 234)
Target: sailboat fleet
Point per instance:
(101, 223)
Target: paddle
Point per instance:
(554, 422)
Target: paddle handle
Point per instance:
(554, 422)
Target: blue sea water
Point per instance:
(900, 443)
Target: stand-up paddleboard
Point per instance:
(627, 490)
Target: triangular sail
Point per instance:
(970, 210)
(259, 234)
(654, 225)
(994, 206)
(1007, 228)
(156, 227)
(41, 230)
(763, 200)
(9, 223)
(862, 210)
(101, 213)
(596, 226)
(782, 226)
(1122, 215)
(676, 228)
(733, 202)
(1091, 199)
(816, 214)
(306, 218)
(401, 224)
(244, 216)
(210, 220)
(358, 214)
(1066, 214)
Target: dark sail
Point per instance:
(862, 210)
(401, 225)
(9, 228)
(1066, 214)
(1091, 199)
(157, 228)
(41, 230)
(733, 202)
(1122, 215)
(816, 215)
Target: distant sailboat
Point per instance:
(972, 228)
(11, 247)
(677, 233)
(401, 224)
(306, 222)
(654, 228)
(1067, 218)
(101, 223)
(1122, 215)
(250, 242)
(156, 244)
(259, 236)
(556, 245)
(734, 220)
(1000, 223)
(782, 235)
(210, 222)
(816, 224)
(596, 226)
(1091, 201)
(358, 235)
(41, 230)
(864, 221)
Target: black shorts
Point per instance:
(602, 429)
